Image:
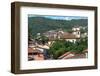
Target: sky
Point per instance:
(58, 17)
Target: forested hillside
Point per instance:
(42, 24)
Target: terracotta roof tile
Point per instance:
(31, 50)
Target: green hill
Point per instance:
(42, 24)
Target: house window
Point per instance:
(78, 32)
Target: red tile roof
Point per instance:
(71, 55)
(68, 36)
(31, 50)
(66, 54)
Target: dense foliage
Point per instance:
(59, 47)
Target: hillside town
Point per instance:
(39, 47)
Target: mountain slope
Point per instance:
(42, 24)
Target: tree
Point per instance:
(41, 39)
(60, 47)
(44, 39)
